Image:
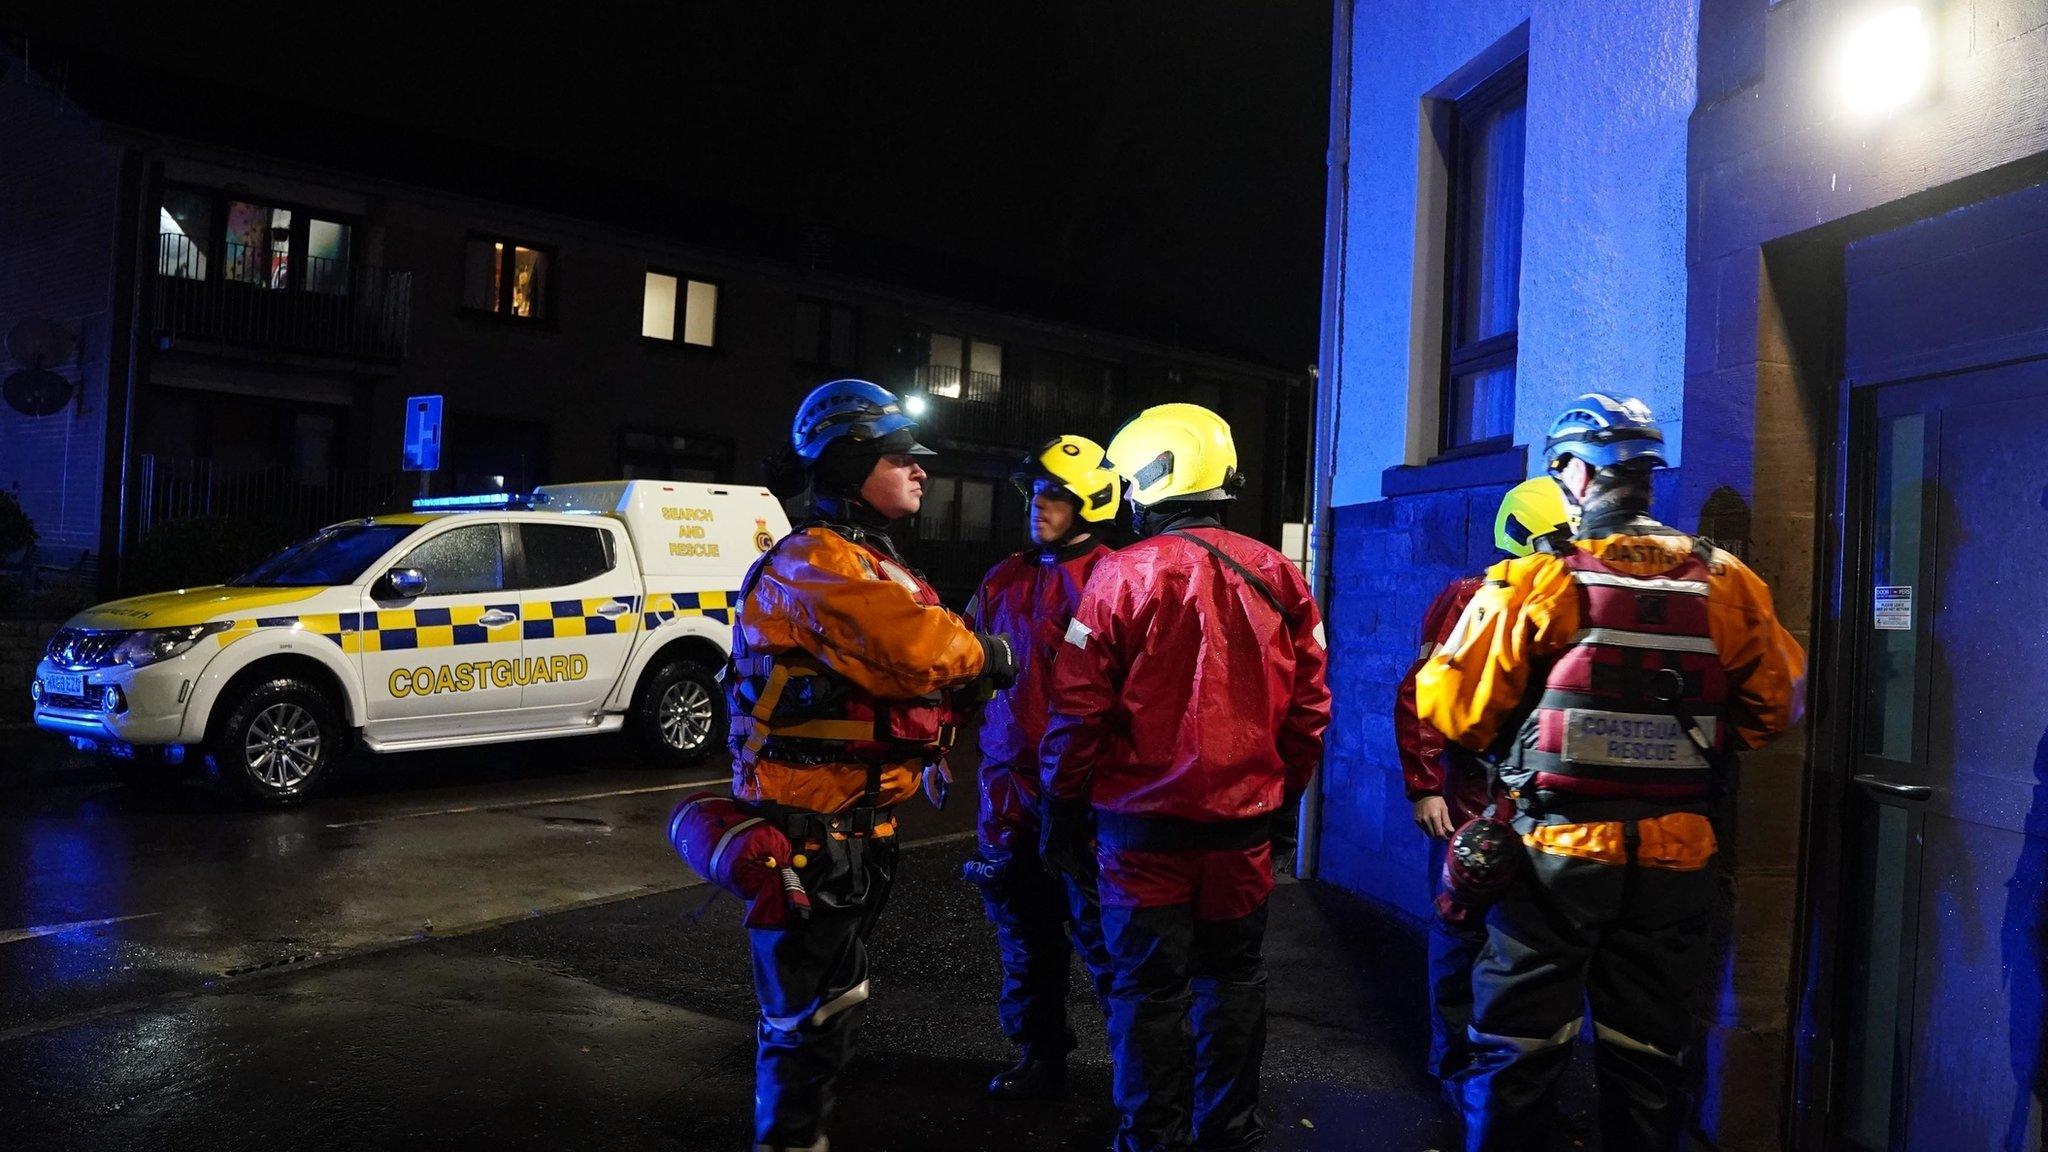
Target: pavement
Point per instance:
(498, 949)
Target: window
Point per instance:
(185, 233)
(1485, 259)
(558, 555)
(338, 555)
(961, 368)
(506, 278)
(824, 334)
(699, 299)
(202, 234)
(957, 508)
(469, 559)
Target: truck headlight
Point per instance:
(149, 645)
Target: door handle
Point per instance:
(1880, 785)
(496, 617)
(614, 608)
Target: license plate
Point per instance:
(64, 683)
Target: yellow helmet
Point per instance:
(1176, 452)
(1531, 509)
(1078, 465)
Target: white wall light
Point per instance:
(1885, 62)
(914, 405)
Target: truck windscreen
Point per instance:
(335, 555)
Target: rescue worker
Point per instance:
(1029, 599)
(1188, 707)
(1614, 682)
(845, 684)
(1448, 786)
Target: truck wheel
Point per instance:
(680, 714)
(277, 744)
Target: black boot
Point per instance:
(1038, 1076)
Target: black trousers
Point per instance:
(1632, 941)
(811, 977)
(1041, 919)
(1187, 1024)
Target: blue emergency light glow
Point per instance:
(475, 500)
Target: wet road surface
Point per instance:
(496, 948)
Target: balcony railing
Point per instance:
(256, 297)
(1013, 412)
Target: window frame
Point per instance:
(215, 249)
(683, 281)
(507, 256)
(1507, 84)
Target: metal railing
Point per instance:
(279, 497)
(1021, 416)
(256, 296)
(955, 384)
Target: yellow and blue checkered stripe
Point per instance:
(400, 629)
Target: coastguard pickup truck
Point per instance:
(583, 608)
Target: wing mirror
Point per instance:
(406, 583)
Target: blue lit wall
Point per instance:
(1603, 299)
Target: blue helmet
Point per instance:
(855, 411)
(1604, 432)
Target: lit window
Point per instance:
(1485, 267)
(658, 307)
(185, 231)
(506, 278)
(700, 309)
(327, 257)
(962, 369)
(259, 240)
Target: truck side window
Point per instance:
(465, 560)
(558, 555)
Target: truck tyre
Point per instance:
(679, 715)
(277, 743)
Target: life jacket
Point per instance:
(1617, 729)
(791, 708)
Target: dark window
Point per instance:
(671, 456)
(469, 559)
(558, 555)
(957, 508)
(507, 278)
(824, 334)
(1485, 250)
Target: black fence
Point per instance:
(273, 498)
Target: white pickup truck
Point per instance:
(595, 607)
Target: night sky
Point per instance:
(1151, 167)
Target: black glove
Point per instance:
(1066, 837)
(999, 668)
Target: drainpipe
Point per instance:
(1328, 385)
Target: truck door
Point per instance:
(579, 599)
(446, 662)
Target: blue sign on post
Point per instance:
(422, 433)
